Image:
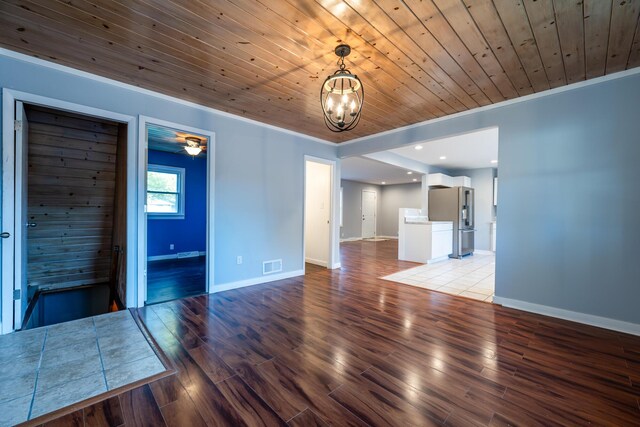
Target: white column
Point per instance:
(424, 205)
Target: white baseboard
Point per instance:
(483, 252)
(354, 239)
(316, 262)
(256, 281)
(169, 256)
(336, 265)
(588, 319)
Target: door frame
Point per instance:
(141, 260)
(375, 213)
(334, 252)
(9, 98)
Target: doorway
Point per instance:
(67, 200)
(318, 212)
(178, 170)
(369, 213)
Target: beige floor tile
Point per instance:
(482, 291)
(15, 411)
(22, 348)
(12, 386)
(133, 351)
(63, 340)
(473, 295)
(22, 337)
(72, 327)
(67, 394)
(133, 371)
(446, 290)
(80, 350)
(456, 285)
(50, 377)
(20, 366)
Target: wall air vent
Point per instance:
(273, 266)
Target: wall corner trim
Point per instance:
(574, 316)
(255, 281)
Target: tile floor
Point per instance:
(471, 277)
(45, 369)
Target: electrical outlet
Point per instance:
(239, 260)
(171, 247)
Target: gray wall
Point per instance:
(258, 169)
(569, 198)
(352, 208)
(482, 182)
(395, 197)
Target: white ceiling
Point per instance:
(467, 151)
(374, 172)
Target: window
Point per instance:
(165, 192)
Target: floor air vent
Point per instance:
(273, 266)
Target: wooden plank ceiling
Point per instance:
(266, 59)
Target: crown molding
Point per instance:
(79, 73)
(555, 91)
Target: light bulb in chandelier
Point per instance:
(329, 108)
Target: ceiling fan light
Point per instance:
(194, 151)
(193, 145)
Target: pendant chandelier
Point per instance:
(342, 96)
(193, 145)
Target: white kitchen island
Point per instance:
(421, 240)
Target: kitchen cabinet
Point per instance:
(442, 180)
(421, 240)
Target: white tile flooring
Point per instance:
(471, 277)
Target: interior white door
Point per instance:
(317, 213)
(368, 214)
(21, 226)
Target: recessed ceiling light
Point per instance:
(409, 173)
(418, 147)
(443, 157)
(494, 161)
(383, 183)
(415, 179)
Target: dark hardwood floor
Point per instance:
(175, 278)
(343, 347)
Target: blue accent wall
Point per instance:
(188, 234)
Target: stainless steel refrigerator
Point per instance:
(455, 204)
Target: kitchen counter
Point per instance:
(421, 240)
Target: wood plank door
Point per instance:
(368, 214)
